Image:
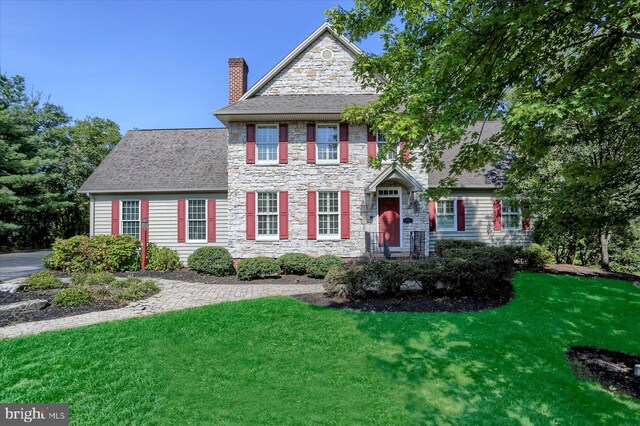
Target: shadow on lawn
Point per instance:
(507, 363)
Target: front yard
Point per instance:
(281, 361)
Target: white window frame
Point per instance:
(337, 160)
(268, 162)
(387, 159)
(268, 237)
(206, 220)
(439, 226)
(122, 221)
(504, 222)
(328, 237)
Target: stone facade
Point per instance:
(309, 73)
(297, 177)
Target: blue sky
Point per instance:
(149, 64)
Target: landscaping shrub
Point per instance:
(162, 258)
(134, 288)
(536, 256)
(427, 273)
(211, 260)
(257, 267)
(319, 266)
(442, 246)
(294, 263)
(72, 296)
(348, 281)
(477, 271)
(44, 280)
(88, 279)
(115, 253)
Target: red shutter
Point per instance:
(115, 217)
(283, 146)
(311, 143)
(526, 223)
(284, 215)
(432, 215)
(311, 215)
(251, 143)
(461, 217)
(251, 216)
(497, 215)
(345, 215)
(372, 145)
(211, 220)
(182, 221)
(404, 151)
(344, 142)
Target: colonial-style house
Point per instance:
(286, 175)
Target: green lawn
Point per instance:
(280, 361)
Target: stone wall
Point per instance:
(309, 73)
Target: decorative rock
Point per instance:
(636, 370)
(11, 288)
(25, 305)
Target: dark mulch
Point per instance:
(49, 312)
(191, 276)
(586, 271)
(613, 370)
(411, 301)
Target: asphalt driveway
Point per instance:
(14, 265)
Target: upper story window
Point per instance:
(327, 143)
(381, 140)
(197, 220)
(130, 223)
(328, 215)
(511, 216)
(446, 215)
(267, 143)
(267, 215)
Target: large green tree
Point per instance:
(562, 76)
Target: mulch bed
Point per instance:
(613, 370)
(411, 301)
(586, 271)
(191, 276)
(49, 312)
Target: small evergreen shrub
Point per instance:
(348, 281)
(294, 263)
(115, 253)
(442, 246)
(536, 256)
(43, 281)
(319, 266)
(162, 258)
(72, 296)
(88, 279)
(211, 260)
(134, 288)
(477, 271)
(257, 267)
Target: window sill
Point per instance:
(267, 238)
(329, 238)
(196, 241)
(328, 162)
(268, 163)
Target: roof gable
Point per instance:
(305, 71)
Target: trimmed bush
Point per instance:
(115, 253)
(294, 263)
(99, 278)
(211, 260)
(134, 288)
(72, 296)
(257, 267)
(162, 258)
(43, 281)
(536, 256)
(476, 271)
(442, 246)
(348, 281)
(319, 266)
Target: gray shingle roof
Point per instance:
(488, 178)
(310, 104)
(164, 161)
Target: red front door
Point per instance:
(389, 220)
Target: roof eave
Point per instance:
(150, 191)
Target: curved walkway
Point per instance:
(173, 296)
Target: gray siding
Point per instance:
(163, 219)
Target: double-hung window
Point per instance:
(267, 143)
(267, 215)
(327, 143)
(328, 215)
(381, 141)
(511, 216)
(197, 220)
(446, 215)
(131, 218)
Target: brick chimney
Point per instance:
(238, 71)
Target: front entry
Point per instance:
(389, 220)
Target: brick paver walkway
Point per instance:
(173, 296)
